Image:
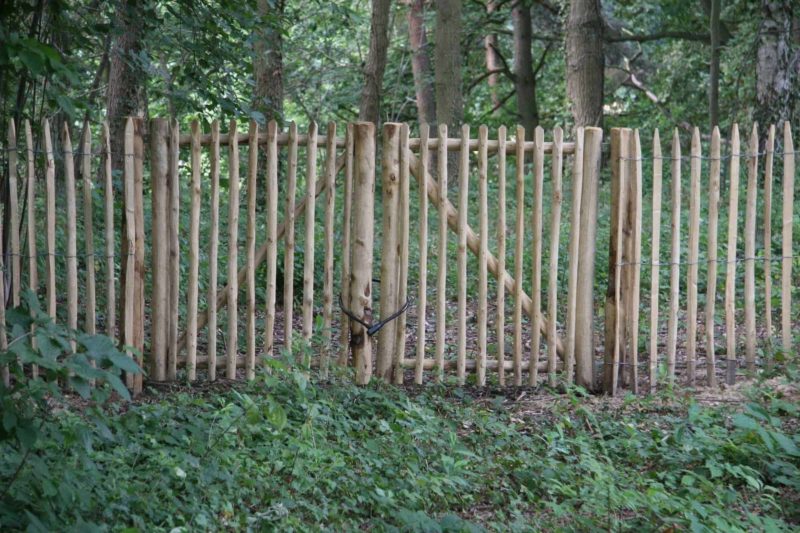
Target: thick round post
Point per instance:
(463, 205)
(574, 255)
(441, 274)
(730, 268)
(422, 295)
(711, 287)
(250, 247)
(159, 169)
(519, 233)
(194, 256)
(310, 221)
(289, 240)
(694, 250)
(233, 251)
(402, 245)
(72, 233)
(213, 253)
(584, 305)
(88, 230)
(272, 236)
(174, 264)
(555, 232)
(362, 247)
(750, 253)
(675, 261)
(536, 228)
(500, 318)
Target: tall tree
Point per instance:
(776, 92)
(585, 62)
(713, 78)
(369, 109)
(421, 62)
(268, 61)
(492, 61)
(127, 80)
(524, 76)
(447, 61)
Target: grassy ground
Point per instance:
(281, 454)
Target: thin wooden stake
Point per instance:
(159, 170)
(536, 227)
(272, 237)
(213, 253)
(192, 288)
(174, 265)
(233, 251)
(308, 264)
(72, 234)
(787, 250)
(33, 268)
(483, 249)
(730, 270)
(327, 286)
(344, 320)
(500, 318)
(88, 231)
(463, 204)
(13, 152)
(441, 274)
(655, 259)
(50, 186)
(694, 248)
(636, 202)
(711, 290)
(250, 247)
(555, 232)
(675, 268)
(138, 249)
(750, 253)
(768, 164)
(289, 242)
(422, 295)
(574, 251)
(363, 238)
(519, 232)
(129, 287)
(402, 244)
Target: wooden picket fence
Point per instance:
(541, 319)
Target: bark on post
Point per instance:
(362, 247)
(160, 249)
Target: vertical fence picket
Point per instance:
(138, 249)
(483, 234)
(711, 287)
(389, 254)
(636, 200)
(422, 294)
(768, 164)
(344, 321)
(250, 250)
(213, 253)
(574, 250)
(50, 191)
(694, 248)
(519, 233)
(129, 286)
(88, 231)
(730, 268)
(272, 236)
(72, 233)
(675, 257)
(555, 233)
(402, 245)
(159, 171)
(500, 316)
(441, 273)
(192, 295)
(110, 235)
(174, 264)
(308, 260)
(750, 252)
(289, 240)
(655, 259)
(30, 181)
(363, 238)
(463, 204)
(13, 214)
(536, 275)
(233, 251)
(786, 238)
(327, 286)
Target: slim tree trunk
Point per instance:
(585, 62)
(369, 110)
(713, 81)
(524, 78)
(126, 94)
(775, 82)
(421, 63)
(447, 59)
(492, 64)
(268, 61)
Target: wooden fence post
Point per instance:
(584, 305)
(128, 244)
(390, 176)
(159, 169)
(786, 238)
(614, 310)
(362, 246)
(173, 257)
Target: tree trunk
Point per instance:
(524, 78)
(447, 58)
(421, 63)
(492, 64)
(585, 61)
(713, 81)
(774, 77)
(268, 61)
(126, 94)
(369, 110)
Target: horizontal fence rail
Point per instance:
(210, 252)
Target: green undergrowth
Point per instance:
(284, 454)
